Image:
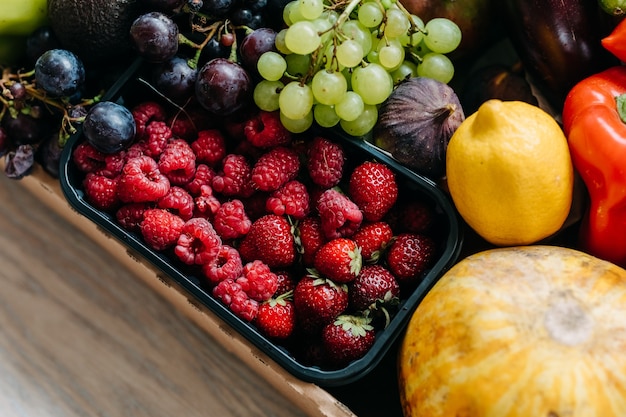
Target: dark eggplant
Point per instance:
(558, 41)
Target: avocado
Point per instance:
(95, 30)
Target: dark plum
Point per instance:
(175, 79)
(254, 44)
(59, 72)
(109, 127)
(223, 87)
(155, 37)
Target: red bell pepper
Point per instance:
(615, 42)
(594, 121)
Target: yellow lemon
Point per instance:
(509, 173)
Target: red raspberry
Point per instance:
(275, 168)
(258, 281)
(373, 239)
(210, 147)
(231, 221)
(255, 205)
(186, 125)
(87, 158)
(198, 242)
(265, 130)
(203, 176)
(325, 162)
(206, 204)
(276, 318)
(114, 163)
(135, 150)
(339, 215)
(310, 238)
(101, 191)
(146, 112)
(226, 265)
(178, 201)
(178, 162)
(234, 178)
(130, 216)
(141, 181)
(160, 228)
(234, 297)
(292, 199)
(155, 138)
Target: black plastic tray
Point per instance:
(449, 248)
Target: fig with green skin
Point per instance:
(416, 122)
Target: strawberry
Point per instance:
(373, 188)
(276, 317)
(339, 260)
(347, 338)
(309, 238)
(373, 239)
(373, 287)
(270, 240)
(413, 216)
(409, 255)
(318, 301)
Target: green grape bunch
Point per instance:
(336, 61)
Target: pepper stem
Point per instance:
(620, 102)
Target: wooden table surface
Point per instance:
(81, 336)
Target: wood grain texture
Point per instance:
(81, 336)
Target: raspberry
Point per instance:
(231, 221)
(235, 177)
(130, 216)
(203, 176)
(146, 112)
(186, 125)
(255, 205)
(178, 162)
(160, 228)
(258, 281)
(209, 147)
(325, 162)
(265, 130)
(234, 297)
(113, 164)
(226, 265)
(87, 158)
(275, 168)
(198, 242)
(101, 191)
(206, 204)
(156, 136)
(339, 215)
(178, 201)
(292, 199)
(141, 181)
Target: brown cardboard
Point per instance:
(312, 399)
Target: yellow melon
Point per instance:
(533, 331)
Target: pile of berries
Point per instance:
(313, 247)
